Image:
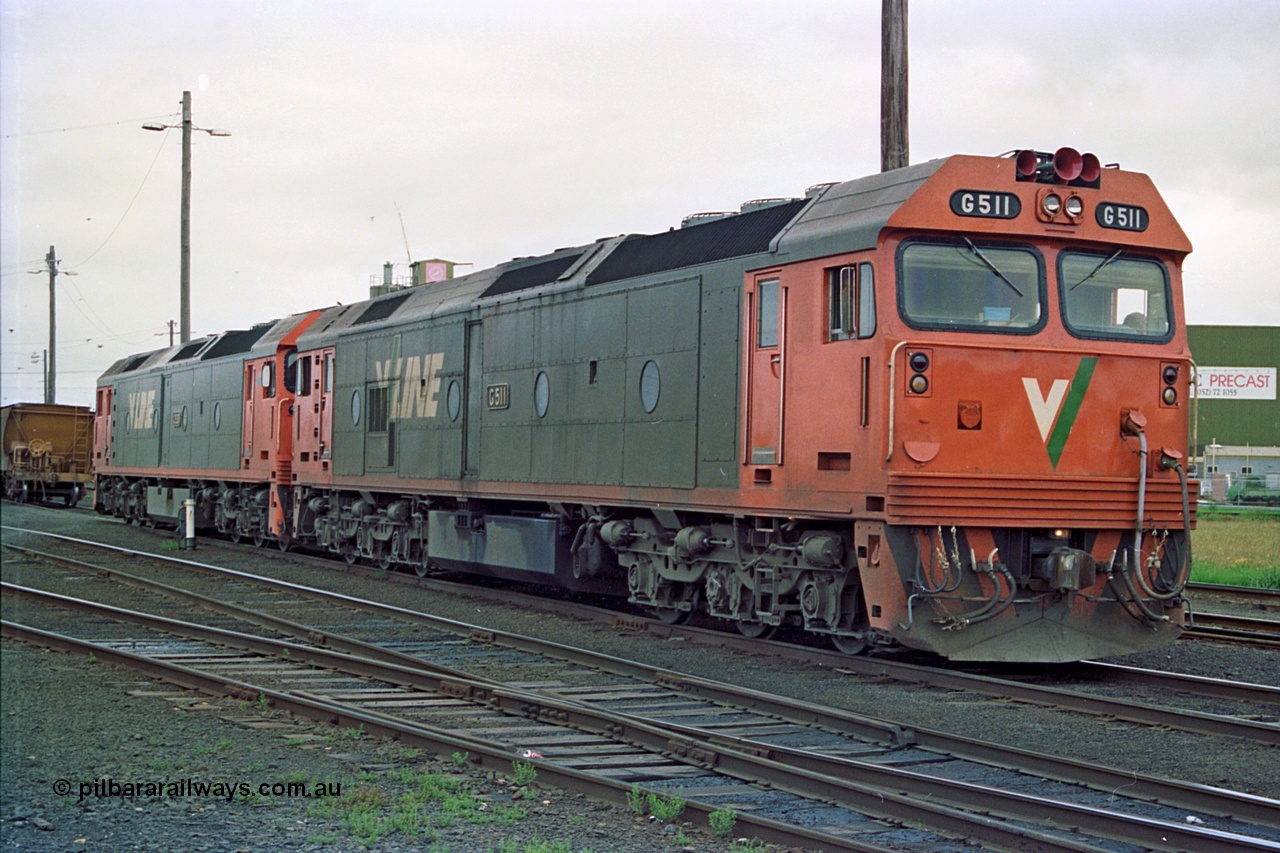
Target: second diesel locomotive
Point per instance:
(944, 407)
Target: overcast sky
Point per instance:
(494, 130)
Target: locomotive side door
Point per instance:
(164, 423)
(765, 341)
(260, 414)
(326, 408)
(103, 424)
(475, 394)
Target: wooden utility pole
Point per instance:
(51, 366)
(184, 273)
(894, 139)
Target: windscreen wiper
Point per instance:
(1106, 262)
(978, 254)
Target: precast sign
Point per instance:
(1235, 383)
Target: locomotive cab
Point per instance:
(1036, 503)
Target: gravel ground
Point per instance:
(58, 724)
(84, 723)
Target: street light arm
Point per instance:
(212, 131)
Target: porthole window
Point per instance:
(355, 407)
(453, 399)
(650, 386)
(217, 416)
(541, 394)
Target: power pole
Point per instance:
(184, 240)
(185, 273)
(171, 325)
(51, 371)
(894, 144)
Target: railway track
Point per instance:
(1256, 721)
(661, 689)
(591, 747)
(1257, 597)
(1241, 629)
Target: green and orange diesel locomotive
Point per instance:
(943, 407)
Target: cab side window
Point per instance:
(851, 302)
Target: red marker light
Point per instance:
(1067, 164)
(1090, 168)
(1027, 162)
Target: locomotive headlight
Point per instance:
(1170, 396)
(1052, 204)
(1170, 374)
(1059, 533)
(919, 362)
(1075, 206)
(919, 384)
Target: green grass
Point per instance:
(1237, 548)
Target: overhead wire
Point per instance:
(129, 207)
(77, 127)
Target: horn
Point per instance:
(1090, 168)
(1067, 164)
(1027, 162)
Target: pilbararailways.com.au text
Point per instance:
(180, 788)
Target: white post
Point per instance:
(189, 524)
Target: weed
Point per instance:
(748, 845)
(409, 753)
(637, 800)
(523, 773)
(509, 815)
(408, 817)
(665, 807)
(722, 821)
(460, 759)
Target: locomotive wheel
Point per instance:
(384, 561)
(259, 539)
(285, 542)
(670, 615)
(421, 569)
(236, 536)
(350, 553)
(849, 645)
(755, 630)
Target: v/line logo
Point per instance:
(1056, 412)
(414, 382)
